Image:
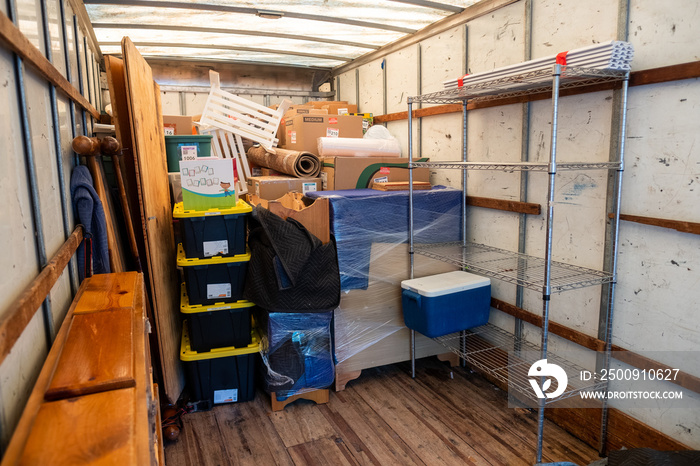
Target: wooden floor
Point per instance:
(382, 418)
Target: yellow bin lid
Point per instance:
(187, 308)
(187, 355)
(184, 261)
(242, 207)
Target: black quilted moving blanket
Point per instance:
(290, 270)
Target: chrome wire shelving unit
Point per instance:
(490, 348)
(520, 85)
(512, 267)
(498, 353)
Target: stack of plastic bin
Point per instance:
(219, 342)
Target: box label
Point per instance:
(382, 179)
(313, 119)
(384, 170)
(302, 111)
(218, 290)
(226, 396)
(324, 180)
(308, 187)
(292, 136)
(169, 130)
(333, 120)
(215, 248)
(332, 132)
(188, 152)
(342, 111)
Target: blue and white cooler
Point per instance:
(449, 302)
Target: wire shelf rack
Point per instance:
(519, 166)
(498, 353)
(512, 267)
(522, 84)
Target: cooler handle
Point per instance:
(412, 295)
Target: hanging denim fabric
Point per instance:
(88, 211)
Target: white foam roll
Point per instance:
(358, 147)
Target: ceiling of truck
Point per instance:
(310, 33)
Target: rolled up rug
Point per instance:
(291, 162)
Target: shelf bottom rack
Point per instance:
(499, 354)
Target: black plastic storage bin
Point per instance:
(217, 326)
(213, 232)
(214, 280)
(222, 375)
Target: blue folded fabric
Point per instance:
(88, 211)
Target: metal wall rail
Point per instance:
(23, 309)
(18, 43)
(30, 165)
(57, 142)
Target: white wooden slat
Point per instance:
(237, 113)
(244, 158)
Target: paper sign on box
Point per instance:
(208, 183)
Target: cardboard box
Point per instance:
(361, 172)
(313, 214)
(321, 103)
(293, 111)
(302, 131)
(176, 125)
(340, 108)
(274, 187)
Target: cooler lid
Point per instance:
(242, 207)
(187, 354)
(445, 283)
(187, 308)
(184, 261)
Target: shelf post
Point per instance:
(546, 289)
(410, 221)
(613, 259)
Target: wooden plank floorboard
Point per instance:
(200, 443)
(323, 452)
(558, 444)
(372, 440)
(470, 417)
(300, 422)
(382, 418)
(427, 435)
(249, 437)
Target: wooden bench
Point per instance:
(95, 401)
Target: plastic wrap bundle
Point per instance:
(297, 351)
(360, 217)
(291, 162)
(371, 231)
(357, 147)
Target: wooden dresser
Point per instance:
(94, 401)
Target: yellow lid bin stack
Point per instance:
(218, 332)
